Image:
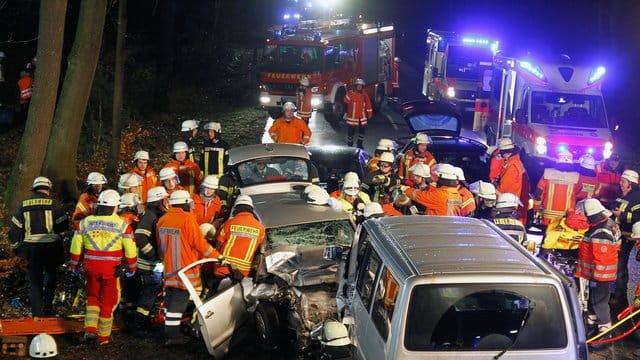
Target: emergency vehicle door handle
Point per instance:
(208, 314)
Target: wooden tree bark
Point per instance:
(118, 79)
(43, 103)
(62, 150)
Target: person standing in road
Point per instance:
(513, 177)
(88, 199)
(187, 171)
(101, 241)
(145, 173)
(181, 243)
(290, 128)
(215, 151)
(598, 262)
(359, 111)
(303, 100)
(35, 236)
(188, 132)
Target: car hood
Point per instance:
(301, 265)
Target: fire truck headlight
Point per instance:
(316, 102)
(265, 100)
(315, 89)
(451, 92)
(541, 145)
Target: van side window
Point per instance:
(368, 269)
(384, 303)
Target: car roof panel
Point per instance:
(284, 209)
(256, 151)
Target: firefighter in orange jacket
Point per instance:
(289, 128)
(588, 181)
(555, 192)
(468, 200)
(384, 145)
(145, 173)
(240, 238)
(25, 85)
(101, 240)
(169, 180)
(207, 203)
(88, 199)
(419, 154)
(303, 100)
(495, 163)
(359, 110)
(445, 199)
(181, 243)
(188, 171)
(513, 177)
(598, 261)
(608, 174)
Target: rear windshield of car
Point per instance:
(465, 317)
(265, 170)
(336, 232)
(434, 123)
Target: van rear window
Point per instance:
(466, 317)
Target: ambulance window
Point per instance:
(367, 273)
(384, 303)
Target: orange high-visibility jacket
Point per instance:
(586, 187)
(609, 181)
(148, 179)
(511, 176)
(206, 209)
(412, 157)
(555, 193)
(180, 243)
(189, 174)
(85, 206)
(373, 165)
(26, 90)
(303, 102)
(359, 108)
(598, 253)
(294, 132)
(468, 201)
(389, 210)
(102, 241)
(443, 200)
(240, 238)
(495, 165)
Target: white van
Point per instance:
(453, 287)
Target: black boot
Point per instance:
(142, 326)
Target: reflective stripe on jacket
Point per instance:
(85, 206)
(555, 193)
(38, 219)
(598, 253)
(411, 158)
(240, 238)
(358, 108)
(189, 174)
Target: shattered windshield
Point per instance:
(470, 317)
(334, 232)
(275, 169)
(564, 109)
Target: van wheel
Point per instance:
(267, 325)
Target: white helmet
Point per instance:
(167, 174)
(180, 146)
(358, 82)
(630, 176)
(127, 181)
(180, 197)
(96, 178)
(129, 200)
(459, 173)
(304, 81)
(43, 346)
(189, 125)
(318, 196)
(351, 187)
(483, 189)
(243, 200)
(109, 198)
(446, 171)
(309, 189)
(505, 144)
(386, 157)
(212, 125)
(207, 228)
(351, 176)
(210, 181)
(334, 333)
(635, 230)
(588, 162)
(593, 207)
(157, 193)
(385, 144)
(289, 106)
(371, 209)
(420, 169)
(141, 155)
(41, 181)
(507, 200)
(422, 138)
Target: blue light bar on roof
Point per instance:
(596, 74)
(532, 69)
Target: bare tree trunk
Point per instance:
(62, 150)
(118, 79)
(45, 90)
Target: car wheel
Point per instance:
(267, 325)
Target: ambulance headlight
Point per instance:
(608, 150)
(316, 102)
(265, 100)
(451, 92)
(541, 145)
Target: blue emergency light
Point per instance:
(596, 74)
(562, 148)
(532, 69)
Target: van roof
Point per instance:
(447, 244)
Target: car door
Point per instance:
(219, 316)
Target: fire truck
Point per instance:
(549, 107)
(458, 68)
(331, 54)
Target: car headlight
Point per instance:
(265, 100)
(451, 92)
(541, 145)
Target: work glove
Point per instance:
(636, 302)
(129, 273)
(159, 268)
(379, 179)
